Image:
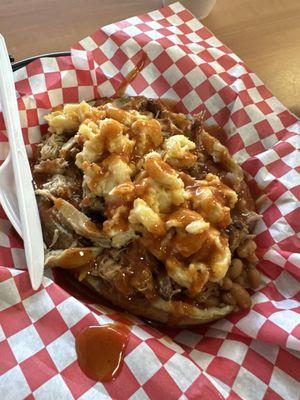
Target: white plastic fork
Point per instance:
(8, 194)
(28, 210)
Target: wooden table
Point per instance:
(264, 33)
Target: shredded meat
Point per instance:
(56, 235)
(66, 187)
(51, 167)
(92, 205)
(134, 270)
(129, 271)
(237, 232)
(166, 287)
(150, 105)
(49, 149)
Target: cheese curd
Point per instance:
(70, 117)
(179, 151)
(148, 193)
(213, 200)
(148, 134)
(127, 118)
(108, 135)
(162, 199)
(142, 214)
(102, 178)
(178, 146)
(164, 188)
(118, 229)
(193, 277)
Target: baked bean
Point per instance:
(254, 278)
(244, 281)
(240, 280)
(252, 258)
(241, 296)
(244, 274)
(226, 284)
(236, 268)
(228, 298)
(246, 248)
(243, 203)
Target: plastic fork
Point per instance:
(8, 195)
(28, 210)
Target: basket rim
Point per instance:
(22, 63)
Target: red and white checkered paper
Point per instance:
(249, 355)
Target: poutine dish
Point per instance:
(147, 208)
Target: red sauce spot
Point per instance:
(100, 350)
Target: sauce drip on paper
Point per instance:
(100, 350)
(131, 76)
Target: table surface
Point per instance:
(264, 33)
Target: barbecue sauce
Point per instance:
(100, 350)
(130, 77)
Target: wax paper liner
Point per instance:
(249, 355)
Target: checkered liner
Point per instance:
(250, 355)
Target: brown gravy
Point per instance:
(100, 350)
